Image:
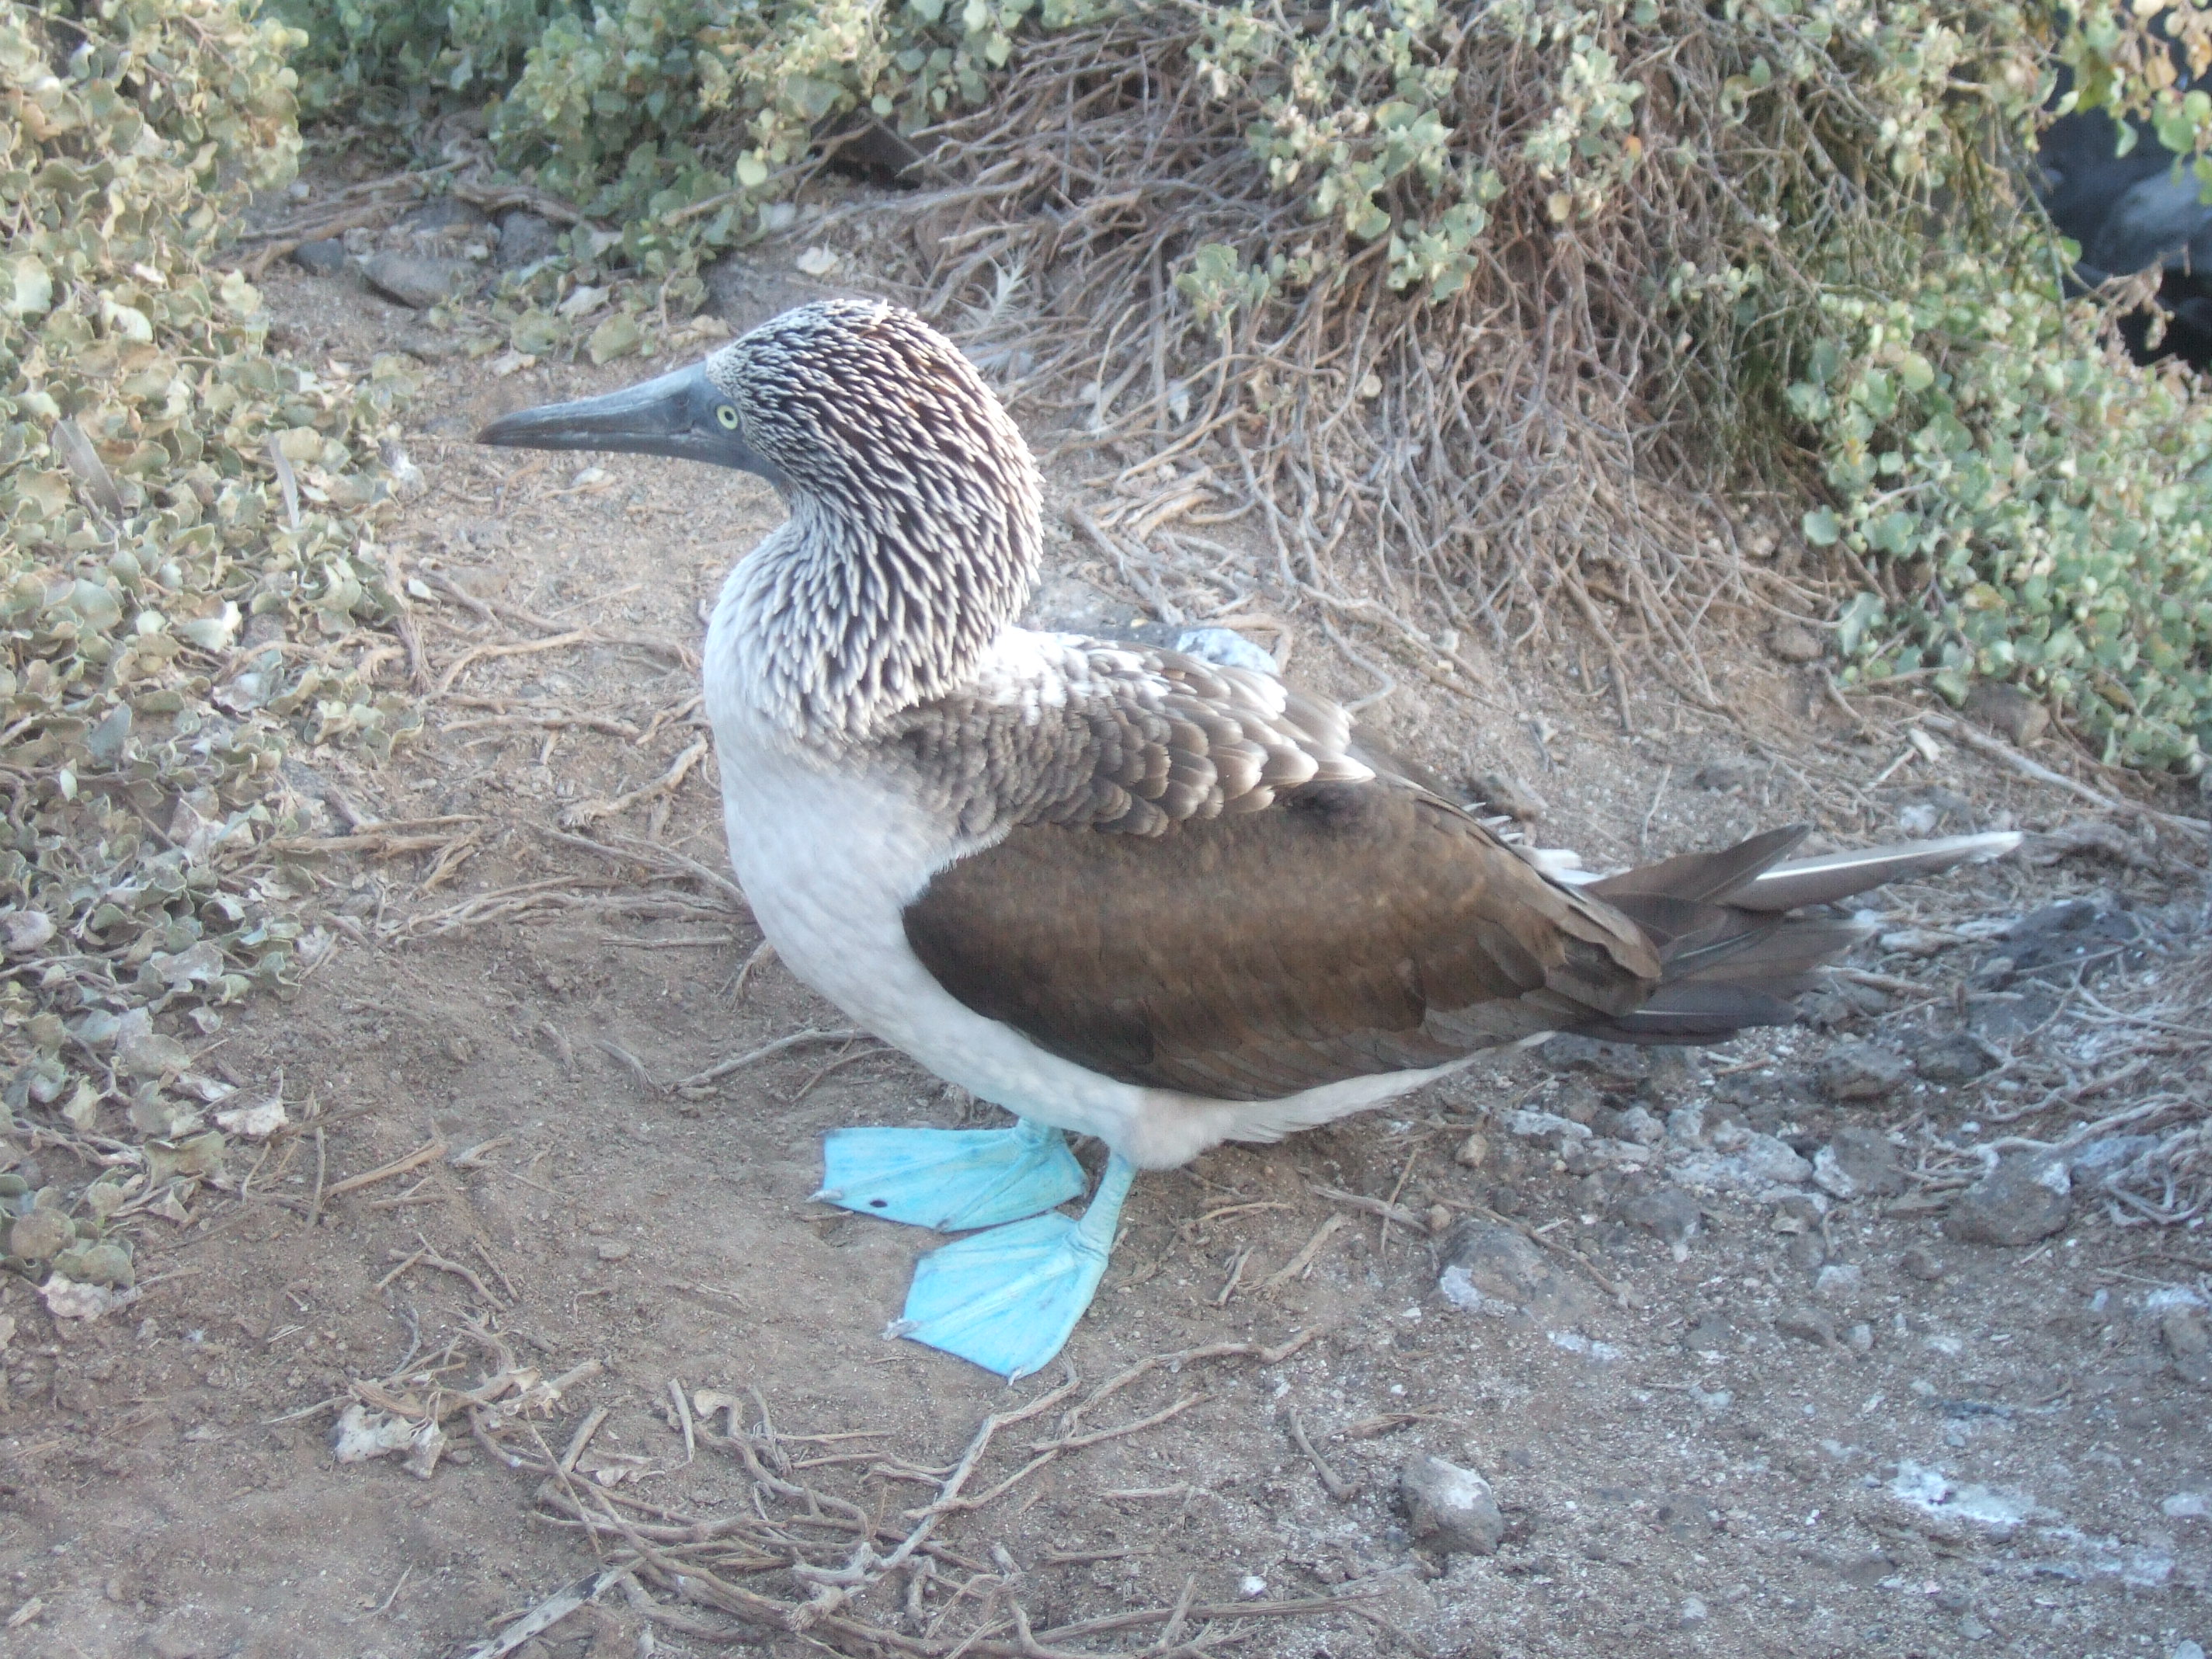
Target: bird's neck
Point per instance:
(839, 622)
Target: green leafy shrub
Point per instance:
(168, 622)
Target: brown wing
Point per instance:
(1348, 928)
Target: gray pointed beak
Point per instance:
(684, 415)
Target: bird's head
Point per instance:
(855, 406)
(915, 529)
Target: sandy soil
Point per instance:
(1965, 1448)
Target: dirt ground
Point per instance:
(1722, 1411)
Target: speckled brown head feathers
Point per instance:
(914, 503)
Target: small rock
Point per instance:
(1806, 1252)
(1839, 1279)
(1724, 777)
(2107, 1154)
(613, 1250)
(417, 281)
(2021, 1199)
(1669, 1213)
(1710, 1335)
(1450, 1506)
(2185, 1649)
(1807, 1325)
(2190, 1343)
(1686, 1126)
(1439, 1218)
(1539, 1126)
(1955, 1057)
(1473, 1151)
(1858, 1164)
(1921, 1263)
(1860, 1070)
(1792, 643)
(524, 238)
(2187, 1506)
(1693, 1611)
(1973, 1629)
(1636, 1124)
(324, 259)
(42, 1235)
(2009, 712)
(445, 213)
(1771, 1160)
(1503, 792)
(1860, 1339)
(1612, 1065)
(1490, 1269)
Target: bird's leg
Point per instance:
(1007, 1298)
(948, 1179)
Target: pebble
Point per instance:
(2187, 1506)
(417, 281)
(1451, 1507)
(1922, 1263)
(1686, 1126)
(1473, 1151)
(2021, 1199)
(1839, 1279)
(613, 1250)
(1669, 1213)
(1954, 1057)
(1710, 1334)
(2009, 712)
(1490, 1269)
(2108, 1154)
(1639, 1125)
(2187, 1649)
(1860, 1070)
(1860, 1339)
(2188, 1342)
(1537, 1124)
(1791, 643)
(1858, 1164)
(1807, 1325)
(1693, 1611)
(1502, 792)
(326, 258)
(1724, 777)
(524, 238)
(1768, 1159)
(1807, 1251)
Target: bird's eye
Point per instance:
(727, 415)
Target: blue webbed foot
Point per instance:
(1007, 1299)
(951, 1180)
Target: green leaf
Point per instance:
(617, 337)
(1821, 527)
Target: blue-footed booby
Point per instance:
(1120, 891)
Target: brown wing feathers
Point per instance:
(1208, 889)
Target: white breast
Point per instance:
(830, 859)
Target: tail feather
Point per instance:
(1728, 956)
(1837, 876)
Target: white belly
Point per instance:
(829, 864)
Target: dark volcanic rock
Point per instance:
(1860, 1071)
(1954, 1057)
(1450, 1507)
(524, 238)
(420, 282)
(2021, 1199)
(1858, 1164)
(324, 259)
